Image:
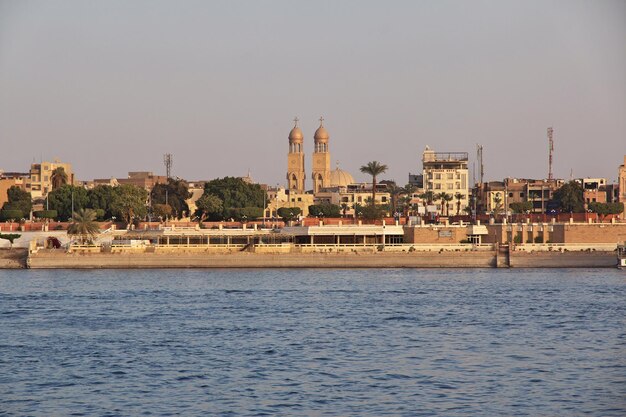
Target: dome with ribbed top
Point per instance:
(340, 178)
(296, 134)
(321, 135)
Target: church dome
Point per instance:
(321, 134)
(340, 178)
(296, 134)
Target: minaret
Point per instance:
(321, 159)
(295, 160)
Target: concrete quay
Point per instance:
(51, 259)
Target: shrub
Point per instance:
(517, 238)
(45, 214)
(538, 239)
(10, 214)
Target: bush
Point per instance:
(10, 214)
(45, 214)
(538, 239)
(517, 238)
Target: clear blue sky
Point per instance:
(112, 85)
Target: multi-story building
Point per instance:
(497, 195)
(446, 172)
(594, 190)
(42, 178)
(10, 179)
(351, 196)
(143, 179)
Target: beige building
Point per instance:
(350, 194)
(280, 197)
(40, 180)
(446, 172)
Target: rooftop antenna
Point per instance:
(551, 151)
(168, 161)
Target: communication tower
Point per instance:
(551, 151)
(168, 160)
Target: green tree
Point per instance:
(11, 237)
(83, 225)
(570, 197)
(175, 193)
(325, 210)
(459, 197)
(208, 205)
(373, 212)
(61, 200)
(129, 202)
(604, 209)
(521, 207)
(289, 213)
(100, 198)
(162, 210)
(18, 200)
(234, 193)
(445, 199)
(58, 178)
(374, 169)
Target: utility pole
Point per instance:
(550, 151)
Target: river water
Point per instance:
(313, 342)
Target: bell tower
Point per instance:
(295, 159)
(321, 159)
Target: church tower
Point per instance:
(321, 159)
(295, 160)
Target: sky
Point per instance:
(111, 86)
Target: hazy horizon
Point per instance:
(111, 86)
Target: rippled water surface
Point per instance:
(313, 342)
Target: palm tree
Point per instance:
(58, 178)
(374, 169)
(458, 197)
(440, 197)
(83, 225)
(447, 198)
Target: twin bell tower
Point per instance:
(321, 159)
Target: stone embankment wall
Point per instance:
(581, 259)
(13, 258)
(61, 259)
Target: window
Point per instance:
(521, 195)
(450, 186)
(510, 195)
(383, 199)
(45, 178)
(299, 198)
(437, 176)
(437, 186)
(450, 176)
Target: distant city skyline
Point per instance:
(112, 86)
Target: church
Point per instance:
(328, 186)
(322, 176)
